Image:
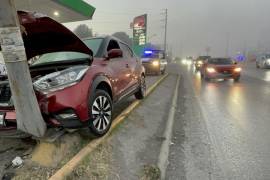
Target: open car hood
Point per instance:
(42, 34)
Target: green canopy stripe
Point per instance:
(79, 6)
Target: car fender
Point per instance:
(97, 80)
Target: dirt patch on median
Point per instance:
(97, 165)
(47, 158)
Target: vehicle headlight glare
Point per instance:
(155, 63)
(200, 62)
(60, 80)
(238, 69)
(211, 70)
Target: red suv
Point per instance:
(76, 82)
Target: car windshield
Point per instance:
(221, 61)
(203, 58)
(151, 55)
(94, 45)
(59, 57)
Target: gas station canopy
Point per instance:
(61, 10)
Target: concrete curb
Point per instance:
(165, 147)
(75, 161)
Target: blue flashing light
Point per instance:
(148, 52)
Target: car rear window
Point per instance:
(220, 61)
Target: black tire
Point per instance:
(163, 72)
(158, 73)
(100, 112)
(206, 78)
(236, 79)
(142, 89)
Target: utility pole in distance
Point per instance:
(165, 30)
(28, 114)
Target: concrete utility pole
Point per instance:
(28, 114)
(165, 31)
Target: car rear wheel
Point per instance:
(163, 71)
(142, 89)
(236, 79)
(100, 108)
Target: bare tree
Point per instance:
(123, 37)
(83, 31)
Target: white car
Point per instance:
(263, 61)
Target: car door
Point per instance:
(119, 69)
(132, 65)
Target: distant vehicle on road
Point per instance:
(188, 60)
(220, 68)
(198, 63)
(263, 61)
(154, 62)
(76, 82)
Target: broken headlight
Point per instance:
(61, 79)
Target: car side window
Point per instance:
(127, 53)
(113, 45)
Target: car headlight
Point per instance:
(238, 69)
(155, 63)
(61, 79)
(200, 62)
(184, 61)
(210, 70)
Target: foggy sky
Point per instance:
(193, 25)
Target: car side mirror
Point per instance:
(114, 53)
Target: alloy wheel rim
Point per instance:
(101, 112)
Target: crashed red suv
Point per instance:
(76, 82)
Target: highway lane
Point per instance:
(226, 127)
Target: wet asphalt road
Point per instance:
(222, 128)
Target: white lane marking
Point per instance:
(165, 147)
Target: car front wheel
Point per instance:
(100, 108)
